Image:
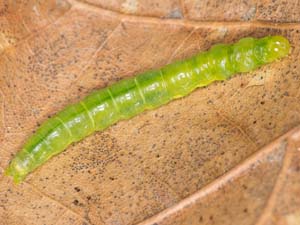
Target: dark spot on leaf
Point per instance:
(75, 202)
(77, 189)
(201, 219)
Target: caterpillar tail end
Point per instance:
(14, 173)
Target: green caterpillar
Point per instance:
(149, 90)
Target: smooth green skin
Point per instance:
(149, 90)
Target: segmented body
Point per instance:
(149, 90)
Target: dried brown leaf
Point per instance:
(209, 163)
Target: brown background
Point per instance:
(198, 160)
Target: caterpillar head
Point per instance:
(272, 48)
